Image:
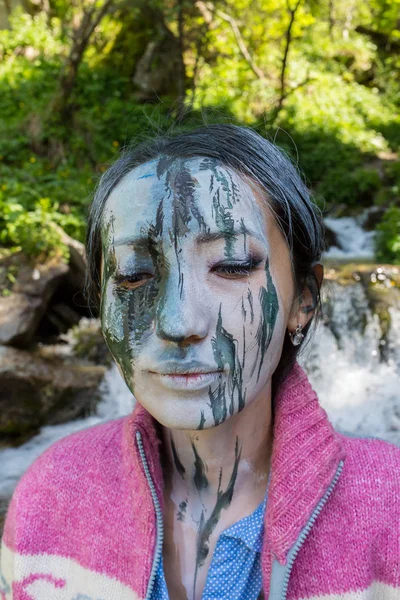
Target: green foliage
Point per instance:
(31, 230)
(30, 36)
(335, 108)
(388, 236)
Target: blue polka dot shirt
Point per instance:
(235, 569)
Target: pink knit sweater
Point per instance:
(82, 524)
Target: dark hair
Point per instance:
(245, 151)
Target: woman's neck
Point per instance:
(237, 452)
(213, 478)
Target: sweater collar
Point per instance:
(306, 452)
(305, 456)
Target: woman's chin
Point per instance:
(181, 411)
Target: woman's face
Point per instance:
(196, 277)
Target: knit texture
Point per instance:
(81, 524)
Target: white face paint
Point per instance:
(187, 286)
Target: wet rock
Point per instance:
(369, 274)
(331, 238)
(62, 316)
(380, 285)
(44, 386)
(87, 342)
(39, 301)
(27, 298)
(372, 217)
(77, 260)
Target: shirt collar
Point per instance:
(250, 529)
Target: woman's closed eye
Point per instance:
(131, 281)
(238, 269)
(231, 270)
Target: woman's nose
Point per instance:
(181, 315)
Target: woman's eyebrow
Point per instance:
(227, 234)
(141, 242)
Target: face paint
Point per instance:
(269, 311)
(187, 286)
(207, 526)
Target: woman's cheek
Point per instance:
(112, 313)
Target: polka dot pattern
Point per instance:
(235, 569)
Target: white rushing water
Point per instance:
(359, 390)
(358, 387)
(354, 243)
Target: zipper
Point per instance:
(304, 533)
(280, 574)
(159, 517)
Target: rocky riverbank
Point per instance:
(46, 378)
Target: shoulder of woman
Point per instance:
(71, 468)
(371, 472)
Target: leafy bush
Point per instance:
(32, 230)
(388, 236)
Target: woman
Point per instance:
(227, 481)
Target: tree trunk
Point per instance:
(91, 18)
(7, 6)
(331, 18)
(182, 66)
(288, 41)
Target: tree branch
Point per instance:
(205, 8)
(288, 41)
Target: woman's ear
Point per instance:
(304, 306)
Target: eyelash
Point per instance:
(242, 269)
(239, 269)
(123, 281)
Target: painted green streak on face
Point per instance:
(243, 310)
(223, 177)
(269, 312)
(127, 319)
(225, 354)
(243, 229)
(182, 187)
(250, 300)
(222, 215)
(206, 527)
(225, 223)
(218, 403)
(113, 316)
(200, 478)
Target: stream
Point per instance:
(357, 383)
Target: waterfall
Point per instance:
(353, 368)
(353, 242)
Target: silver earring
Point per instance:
(297, 337)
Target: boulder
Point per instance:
(77, 260)
(331, 237)
(46, 386)
(33, 287)
(87, 342)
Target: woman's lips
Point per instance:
(187, 381)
